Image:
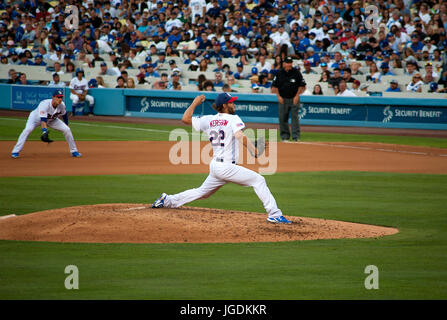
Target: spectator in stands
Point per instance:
(226, 88)
(193, 66)
(409, 55)
(317, 90)
(13, 57)
(219, 65)
(374, 74)
(325, 76)
(385, 69)
(23, 80)
(161, 84)
(416, 83)
(200, 80)
(56, 82)
(70, 69)
(411, 68)
(307, 68)
(344, 91)
(175, 79)
(430, 75)
(23, 60)
(203, 67)
(38, 61)
(312, 57)
(347, 75)
(96, 57)
(240, 74)
(105, 71)
(356, 85)
(208, 86)
(335, 79)
(150, 71)
(218, 82)
(130, 83)
(120, 82)
(100, 81)
(58, 68)
(13, 76)
(231, 81)
(394, 86)
(191, 57)
(4, 59)
(255, 88)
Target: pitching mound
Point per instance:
(138, 223)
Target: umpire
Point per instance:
(288, 84)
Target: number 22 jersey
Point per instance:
(221, 129)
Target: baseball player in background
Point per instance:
(79, 91)
(46, 115)
(223, 129)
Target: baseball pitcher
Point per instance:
(224, 130)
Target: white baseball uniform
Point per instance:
(221, 129)
(45, 109)
(79, 86)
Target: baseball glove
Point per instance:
(45, 138)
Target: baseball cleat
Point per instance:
(279, 219)
(76, 154)
(15, 155)
(160, 202)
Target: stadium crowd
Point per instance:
(332, 39)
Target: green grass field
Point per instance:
(412, 264)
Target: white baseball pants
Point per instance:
(75, 99)
(220, 174)
(34, 121)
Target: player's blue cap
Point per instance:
(224, 98)
(93, 83)
(433, 86)
(58, 93)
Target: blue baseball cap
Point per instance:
(254, 70)
(224, 98)
(384, 65)
(239, 64)
(58, 93)
(148, 59)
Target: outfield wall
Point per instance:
(316, 110)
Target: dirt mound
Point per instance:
(139, 223)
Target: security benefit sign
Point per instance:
(29, 97)
(392, 114)
(157, 104)
(332, 112)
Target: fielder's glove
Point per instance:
(45, 138)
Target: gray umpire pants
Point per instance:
(283, 111)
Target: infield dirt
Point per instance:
(139, 223)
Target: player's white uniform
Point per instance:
(221, 129)
(79, 86)
(46, 110)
